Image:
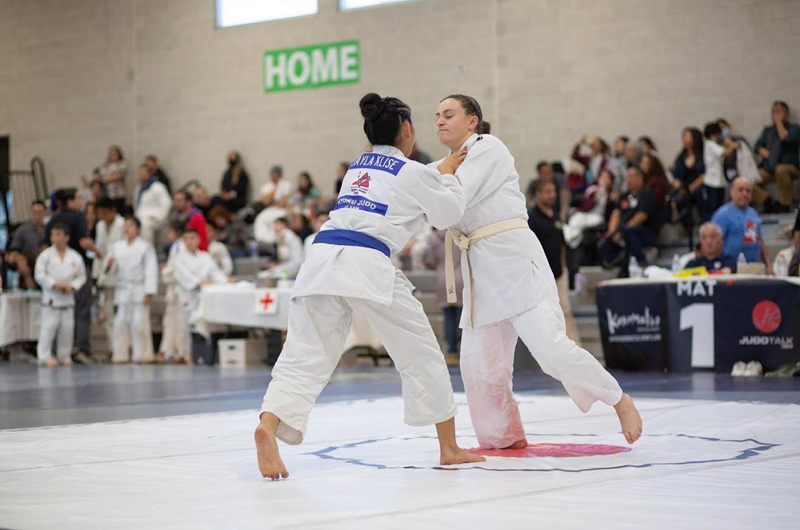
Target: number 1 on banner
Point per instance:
(699, 318)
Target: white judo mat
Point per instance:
(698, 465)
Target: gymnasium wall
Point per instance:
(156, 76)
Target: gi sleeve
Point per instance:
(80, 275)
(40, 271)
(440, 197)
(485, 169)
(150, 271)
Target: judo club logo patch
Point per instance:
(361, 184)
(552, 453)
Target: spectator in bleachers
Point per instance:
(412, 256)
(203, 202)
(549, 231)
(110, 229)
(316, 225)
(290, 251)
(191, 217)
(219, 252)
(277, 192)
(69, 215)
(711, 255)
(779, 149)
(545, 171)
(133, 262)
(688, 172)
(92, 190)
(112, 174)
(633, 226)
(618, 163)
(151, 204)
(452, 312)
(594, 162)
(647, 146)
(740, 162)
(155, 168)
(61, 273)
(300, 225)
(90, 212)
(235, 186)
(307, 195)
(420, 156)
(232, 231)
(340, 173)
(741, 226)
(714, 181)
(28, 238)
(655, 178)
(591, 210)
(193, 268)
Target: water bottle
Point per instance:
(676, 263)
(741, 261)
(254, 249)
(580, 282)
(634, 270)
(781, 266)
(13, 280)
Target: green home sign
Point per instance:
(335, 63)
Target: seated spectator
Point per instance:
(412, 256)
(319, 220)
(647, 146)
(191, 217)
(655, 178)
(591, 211)
(596, 161)
(235, 186)
(714, 181)
(741, 226)
(155, 168)
(219, 252)
(202, 201)
(92, 190)
(711, 255)
(740, 162)
(545, 171)
(112, 175)
(618, 163)
(133, 262)
(232, 231)
(633, 226)
(151, 205)
(61, 273)
(90, 212)
(300, 225)
(277, 192)
(193, 269)
(290, 251)
(341, 171)
(779, 148)
(28, 238)
(689, 172)
(452, 312)
(307, 194)
(548, 229)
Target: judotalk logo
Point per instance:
(766, 316)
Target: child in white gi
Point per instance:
(134, 261)
(60, 272)
(174, 346)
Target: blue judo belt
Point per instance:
(351, 238)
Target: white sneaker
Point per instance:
(738, 369)
(754, 369)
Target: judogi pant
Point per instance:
(487, 366)
(175, 337)
(83, 314)
(58, 324)
(106, 303)
(132, 328)
(318, 328)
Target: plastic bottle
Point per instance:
(634, 270)
(740, 261)
(676, 263)
(253, 249)
(781, 266)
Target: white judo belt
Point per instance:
(464, 242)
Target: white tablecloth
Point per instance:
(20, 316)
(234, 305)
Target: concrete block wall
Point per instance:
(156, 76)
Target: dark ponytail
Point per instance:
(383, 118)
(472, 108)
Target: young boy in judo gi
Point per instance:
(385, 198)
(60, 272)
(174, 346)
(133, 261)
(509, 291)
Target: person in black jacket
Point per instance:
(235, 185)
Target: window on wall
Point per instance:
(356, 4)
(239, 12)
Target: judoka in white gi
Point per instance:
(152, 204)
(290, 251)
(60, 272)
(509, 291)
(219, 251)
(192, 269)
(348, 270)
(175, 345)
(110, 229)
(133, 261)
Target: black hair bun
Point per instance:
(371, 106)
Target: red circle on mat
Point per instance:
(766, 316)
(554, 451)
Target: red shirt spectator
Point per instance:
(183, 203)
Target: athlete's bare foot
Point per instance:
(629, 418)
(521, 444)
(51, 363)
(66, 363)
(457, 455)
(269, 459)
